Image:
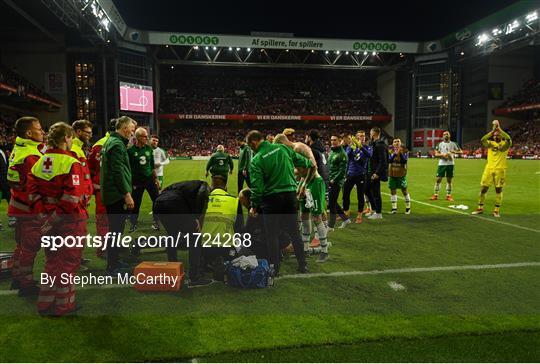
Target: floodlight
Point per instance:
(365, 53)
(529, 18)
(238, 49)
(511, 27)
(482, 38)
(374, 53)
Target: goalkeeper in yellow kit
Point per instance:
(498, 143)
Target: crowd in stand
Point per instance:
(184, 93)
(7, 132)
(12, 78)
(525, 139)
(528, 94)
(202, 139)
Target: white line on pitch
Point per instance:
(468, 214)
(411, 270)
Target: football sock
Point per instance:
(408, 201)
(437, 188)
(448, 189)
(393, 199)
(306, 233)
(481, 200)
(321, 229)
(498, 200)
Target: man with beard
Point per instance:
(445, 152)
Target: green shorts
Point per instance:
(397, 183)
(317, 190)
(447, 171)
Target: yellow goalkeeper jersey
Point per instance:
(497, 153)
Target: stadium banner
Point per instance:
(509, 110)
(381, 118)
(418, 138)
(434, 137)
(244, 41)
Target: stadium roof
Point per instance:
(405, 21)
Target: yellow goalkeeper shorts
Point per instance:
(495, 177)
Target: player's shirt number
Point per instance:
(142, 160)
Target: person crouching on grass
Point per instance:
(56, 183)
(397, 175)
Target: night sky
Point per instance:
(381, 19)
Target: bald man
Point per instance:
(220, 163)
(141, 160)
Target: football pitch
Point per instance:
(435, 285)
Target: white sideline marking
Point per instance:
(411, 270)
(355, 273)
(468, 214)
(396, 286)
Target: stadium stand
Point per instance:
(13, 84)
(528, 94)
(266, 92)
(202, 139)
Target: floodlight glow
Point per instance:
(529, 18)
(312, 51)
(326, 52)
(105, 22)
(511, 27)
(249, 49)
(337, 52)
(420, 98)
(347, 52)
(439, 97)
(206, 48)
(237, 49)
(496, 31)
(365, 53)
(374, 53)
(230, 48)
(482, 38)
(430, 97)
(214, 48)
(196, 47)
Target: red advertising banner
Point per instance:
(509, 110)
(418, 138)
(381, 118)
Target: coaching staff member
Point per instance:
(378, 167)
(115, 181)
(273, 192)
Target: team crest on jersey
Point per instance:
(76, 180)
(47, 167)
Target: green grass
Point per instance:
(464, 315)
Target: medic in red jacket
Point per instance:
(26, 152)
(57, 182)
